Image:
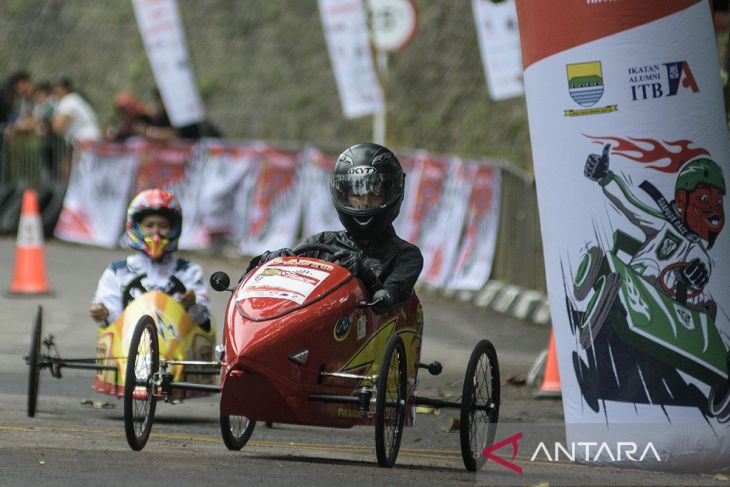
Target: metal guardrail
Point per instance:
(518, 256)
(31, 160)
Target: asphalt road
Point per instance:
(69, 443)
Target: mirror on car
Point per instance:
(220, 281)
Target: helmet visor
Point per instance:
(363, 191)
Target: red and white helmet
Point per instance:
(159, 202)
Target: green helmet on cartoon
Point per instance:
(700, 171)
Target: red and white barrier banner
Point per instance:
(440, 240)
(176, 168)
(229, 171)
(164, 40)
(631, 155)
(95, 205)
(499, 44)
(275, 207)
(348, 44)
(426, 177)
(258, 195)
(475, 256)
(319, 212)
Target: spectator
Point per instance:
(52, 149)
(19, 104)
(73, 118)
(161, 128)
(134, 117)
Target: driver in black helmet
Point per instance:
(367, 185)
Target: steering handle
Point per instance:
(369, 304)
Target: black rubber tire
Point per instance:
(139, 413)
(588, 270)
(34, 358)
(718, 402)
(389, 427)
(599, 308)
(235, 440)
(481, 389)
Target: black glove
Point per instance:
(382, 299)
(695, 274)
(597, 166)
(353, 261)
(267, 256)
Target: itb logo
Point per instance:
(661, 80)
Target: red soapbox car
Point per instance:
(303, 346)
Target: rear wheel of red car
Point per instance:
(588, 269)
(143, 362)
(605, 291)
(34, 359)
(236, 431)
(479, 404)
(390, 402)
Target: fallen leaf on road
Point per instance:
(452, 425)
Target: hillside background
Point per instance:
(263, 70)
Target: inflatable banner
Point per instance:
(631, 159)
(95, 205)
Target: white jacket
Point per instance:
(127, 278)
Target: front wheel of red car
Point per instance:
(236, 431)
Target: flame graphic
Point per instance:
(652, 150)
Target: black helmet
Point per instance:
(367, 189)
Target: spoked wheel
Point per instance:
(390, 402)
(34, 359)
(479, 404)
(236, 431)
(143, 361)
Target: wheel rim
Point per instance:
(481, 396)
(393, 403)
(142, 395)
(238, 425)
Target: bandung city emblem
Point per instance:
(585, 82)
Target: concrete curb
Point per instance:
(523, 304)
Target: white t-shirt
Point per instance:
(82, 124)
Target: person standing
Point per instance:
(73, 118)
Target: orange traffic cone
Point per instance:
(551, 382)
(29, 273)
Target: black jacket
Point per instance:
(395, 263)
